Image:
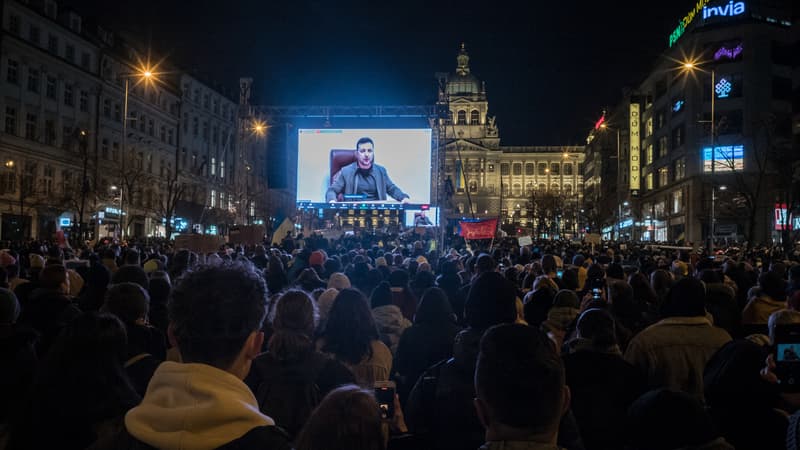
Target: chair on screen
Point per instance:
(339, 159)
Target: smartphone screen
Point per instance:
(597, 294)
(787, 356)
(560, 273)
(384, 395)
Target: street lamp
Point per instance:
(144, 74)
(691, 66)
(605, 126)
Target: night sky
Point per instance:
(549, 69)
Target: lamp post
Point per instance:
(146, 75)
(605, 126)
(690, 66)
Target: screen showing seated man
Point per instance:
(422, 218)
(364, 166)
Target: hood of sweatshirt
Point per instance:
(194, 407)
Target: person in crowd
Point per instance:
(259, 258)
(673, 352)
(159, 290)
(14, 279)
(742, 405)
(216, 313)
(690, 426)
(439, 406)
(277, 279)
(772, 298)
(309, 280)
(292, 377)
(521, 395)
(449, 281)
(80, 392)
(347, 419)
(388, 317)
(423, 281)
(146, 345)
(429, 340)
(364, 179)
(602, 383)
(402, 296)
(17, 358)
(49, 308)
(338, 281)
(721, 302)
(538, 302)
(562, 315)
(94, 293)
(351, 337)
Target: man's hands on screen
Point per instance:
(405, 200)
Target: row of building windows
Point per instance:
(34, 84)
(216, 134)
(661, 177)
(205, 99)
(52, 44)
(530, 169)
(461, 117)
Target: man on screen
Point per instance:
(364, 178)
(421, 220)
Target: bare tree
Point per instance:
(165, 205)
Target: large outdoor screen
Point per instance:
(364, 167)
(421, 218)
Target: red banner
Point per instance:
(485, 229)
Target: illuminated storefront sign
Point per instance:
(723, 88)
(729, 9)
(634, 125)
(782, 221)
(687, 19)
(726, 158)
(727, 52)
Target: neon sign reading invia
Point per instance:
(729, 10)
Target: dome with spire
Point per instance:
(463, 82)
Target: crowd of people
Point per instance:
(554, 345)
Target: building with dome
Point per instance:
(533, 189)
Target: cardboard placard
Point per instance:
(247, 234)
(199, 243)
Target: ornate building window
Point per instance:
(504, 169)
(567, 168)
(517, 190)
(542, 168)
(529, 169)
(473, 186)
(462, 117)
(474, 117)
(555, 168)
(517, 170)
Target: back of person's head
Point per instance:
(520, 380)
(668, 420)
(772, 285)
(131, 257)
(338, 281)
(128, 301)
(484, 263)
(491, 300)
(616, 271)
(597, 325)
(548, 263)
(710, 276)
(325, 303)
(53, 277)
(9, 307)
(294, 323)
(348, 418)
(350, 329)
(434, 308)
(570, 279)
(732, 378)
(381, 295)
(661, 281)
(131, 274)
(213, 310)
(399, 278)
(781, 317)
(686, 299)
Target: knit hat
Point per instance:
(9, 307)
(151, 266)
(338, 281)
(6, 259)
(37, 261)
(325, 302)
(317, 258)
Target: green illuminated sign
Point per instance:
(687, 19)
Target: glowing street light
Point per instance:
(690, 66)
